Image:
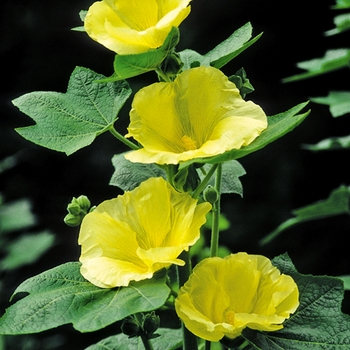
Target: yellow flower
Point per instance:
(132, 236)
(223, 296)
(134, 26)
(200, 114)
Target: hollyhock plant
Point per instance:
(134, 26)
(224, 296)
(200, 114)
(132, 236)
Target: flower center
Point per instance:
(229, 317)
(189, 143)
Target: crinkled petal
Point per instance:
(133, 26)
(201, 114)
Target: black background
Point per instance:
(38, 53)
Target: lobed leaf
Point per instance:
(128, 175)
(223, 53)
(231, 172)
(67, 122)
(338, 102)
(330, 144)
(170, 339)
(337, 203)
(342, 23)
(61, 295)
(333, 60)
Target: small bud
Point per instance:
(131, 327)
(72, 220)
(210, 194)
(242, 82)
(73, 208)
(151, 323)
(172, 65)
(84, 203)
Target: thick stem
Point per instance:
(121, 138)
(214, 245)
(147, 343)
(183, 273)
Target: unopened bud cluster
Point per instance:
(242, 82)
(141, 325)
(77, 209)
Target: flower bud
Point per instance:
(172, 65)
(242, 82)
(73, 208)
(151, 323)
(131, 327)
(210, 194)
(72, 220)
(84, 203)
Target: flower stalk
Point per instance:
(124, 140)
(215, 231)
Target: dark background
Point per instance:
(39, 51)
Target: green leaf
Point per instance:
(318, 323)
(26, 249)
(68, 122)
(61, 295)
(232, 46)
(128, 175)
(342, 23)
(278, 125)
(222, 53)
(346, 280)
(231, 171)
(330, 144)
(342, 4)
(128, 66)
(332, 60)
(336, 204)
(170, 339)
(16, 215)
(338, 102)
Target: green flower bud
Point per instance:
(172, 65)
(210, 194)
(242, 82)
(72, 220)
(84, 203)
(73, 208)
(151, 323)
(131, 327)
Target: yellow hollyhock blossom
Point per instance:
(200, 114)
(134, 26)
(130, 237)
(223, 296)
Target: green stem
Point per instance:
(121, 138)
(146, 343)
(183, 273)
(214, 244)
(163, 75)
(205, 181)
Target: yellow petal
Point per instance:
(224, 296)
(134, 26)
(130, 237)
(200, 114)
